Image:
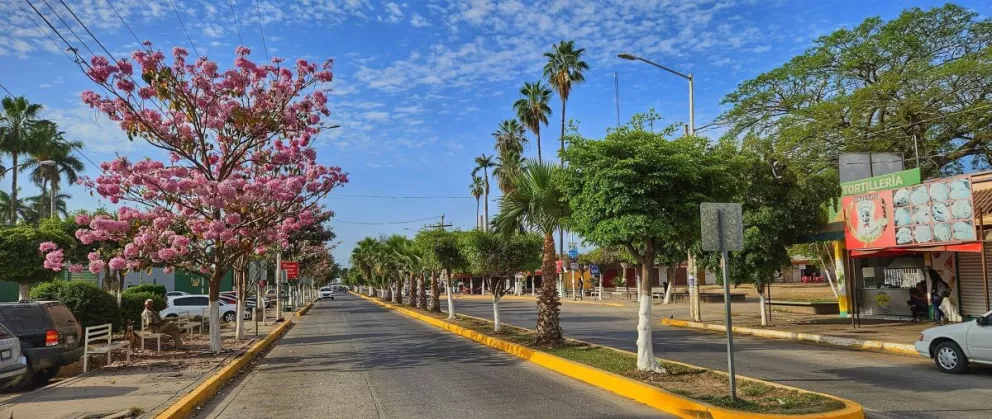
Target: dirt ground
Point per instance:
(782, 292)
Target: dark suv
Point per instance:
(50, 337)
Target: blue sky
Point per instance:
(420, 85)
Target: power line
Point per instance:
(261, 30)
(68, 27)
(5, 89)
(237, 27)
(46, 34)
(125, 23)
(181, 24)
(385, 223)
(399, 197)
(88, 31)
(50, 26)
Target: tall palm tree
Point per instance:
(52, 146)
(363, 257)
(539, 204)
(17, 116)
(533, 109)
(564, 68)
(477, 188)
(484, 163)
(24, 211)
(395, 258)
(40, 206)
(510, 137)
(508, 167)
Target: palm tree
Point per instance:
(564, 68)
(484, 163)
(507, 169)
(477, 188)
(53, 147)
(17, 117)
(363, 258)
(40, 206)
(394, 261)
(510, 137)
(538, 203)
(533, 109)
(24, 211)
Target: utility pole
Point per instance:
(441, 225)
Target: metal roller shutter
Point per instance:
(971, 286)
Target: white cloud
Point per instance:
(419, 21)
(92, 128)
(761, 48)
(376, 115)
(53, 83)
(395, 13)
(408, 109)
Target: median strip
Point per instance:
(605, 368)
(849, 343)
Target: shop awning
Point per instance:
(971, 247)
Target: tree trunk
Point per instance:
(670, 273)
(451, 299)
(764, 310)
(398, 290)
(214, 307)
(561, 151)
(412, 289)
(434, 300)
(485, 222)
(538, 135)
(477, 212)
(421, 295)
(496, 324)
(645, 347)
(13, 188)
(239, 323)
(24, 291)
(548, 322)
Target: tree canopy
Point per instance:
(925, 75)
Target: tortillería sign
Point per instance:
(881, 183)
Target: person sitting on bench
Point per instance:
(918, 301)
(152, 322)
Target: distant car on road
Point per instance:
(952, 347)
(50, 338)
(326, 292)
(196, 305)
(175, 294)
(13, 365)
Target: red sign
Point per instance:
(558, 264)
(292, 269)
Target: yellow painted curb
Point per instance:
(186, 406)
(623, 386)
(304, 310)
(849, 343)
(528, 298)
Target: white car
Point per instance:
(954, 346)
(197, 305)
(176, 294)
(326, 292)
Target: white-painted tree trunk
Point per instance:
(764, 309)
(239, 322)
(645, 349)
(830, 279)
(214, 309)
(668, 292)
(23, 291)
(451, 299)
(533, 292)
(496, 324)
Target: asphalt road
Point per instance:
(351, 359)
(888, 386)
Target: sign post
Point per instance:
(723, 231)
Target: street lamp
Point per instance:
(692, 111)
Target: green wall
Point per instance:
(195, 284)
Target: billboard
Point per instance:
(292, 269)
(932, 213)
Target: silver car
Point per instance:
(12, 363)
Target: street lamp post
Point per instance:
(692, 110)
(13, 204)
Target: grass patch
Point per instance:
(695, 383)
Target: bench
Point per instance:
(144, 334)
(620, 292)
(99, 340)
(658, 292)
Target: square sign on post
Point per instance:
(733, 227)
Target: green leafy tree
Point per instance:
(498, 258)
(20, 259)
(533, 110)
(90, 305)
(477, 188)
(921, 80)
(641, 191)
(52, 146)
(538, 203)
(441, 253)
(507, 169)
(510, 137)
(363, 260)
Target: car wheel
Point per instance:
(332, 298)
(44, 376)
(229, 317)
(27, 379)
(950, 358)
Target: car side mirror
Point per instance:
(982, 321)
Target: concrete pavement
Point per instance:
(889, 386)
(352, 359)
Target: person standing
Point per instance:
(939, 289)
(581, 286)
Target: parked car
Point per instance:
(326, 292)
(13, 365)
(50, 338)
(175, 294)
(195, 305)
(953, 347)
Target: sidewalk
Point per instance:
(149, 384)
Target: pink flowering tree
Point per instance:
(241, 172)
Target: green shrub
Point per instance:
(133, 303)
(156, 289)
(91, 305)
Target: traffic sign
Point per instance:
(594, 269)
(292, 269)
(573, 266)
(722, 228)
(573, 253)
